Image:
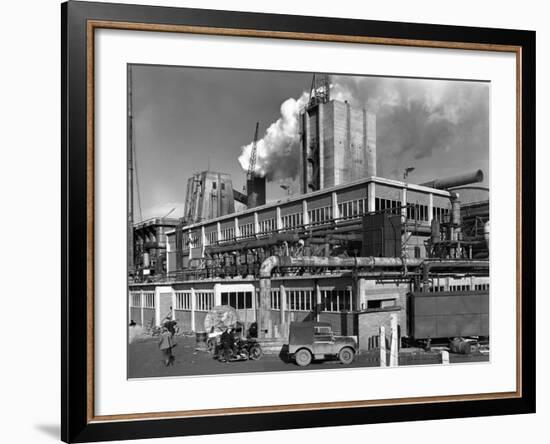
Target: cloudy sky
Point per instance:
(189, 118)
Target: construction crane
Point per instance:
(319, 92)
(252, 162)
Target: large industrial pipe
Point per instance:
(429, 265)
(455, 181)
(334, 262)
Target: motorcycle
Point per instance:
(243, 350)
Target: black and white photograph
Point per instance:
(301, 221)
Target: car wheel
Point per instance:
(303, 357)
(346, 356)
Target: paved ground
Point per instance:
(145, 361)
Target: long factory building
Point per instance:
(216, 261)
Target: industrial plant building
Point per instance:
(352, 249)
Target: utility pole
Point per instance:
(130, 191)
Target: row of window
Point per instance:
(320, 215)
(347, 210)
(393, 206)
(293, 220)
(481, 287)
(247, 230)
(144, 299)
(228, 233)
(237, 299)
(305, 300)
(212, 237)
(438, 288)
(205, 300)
(352, 208)
(440, 214)
(183, 300)
(268, 225)
(417, 212)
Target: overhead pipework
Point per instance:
(455, 181)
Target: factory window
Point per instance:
(149, 299)
(183, 300)
(239, 300)
(194, 240)
(228, 233)
(437, 288)
(459, 288)
(275, 299)
(440, 214)
(352, 208)
(247, 230)
(267, 225)
(387, 205)
(336, 300)
(417, 212)
(299, 300)
(293, 220)
(205, 300)
(214, 185)
(135, 299)
(212, 237)
(481, 287)
(320, 215)
(223, 186)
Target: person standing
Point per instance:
(227, 341)
(166, 343)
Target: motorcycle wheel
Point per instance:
(256, 352)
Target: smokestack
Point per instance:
(455, 181)
(255, 189)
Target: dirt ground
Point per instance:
(145, 361)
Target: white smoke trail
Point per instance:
(277, 152)
(416, 119)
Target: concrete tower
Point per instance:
(338, 144)
(209, 195)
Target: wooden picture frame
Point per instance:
(79, 22)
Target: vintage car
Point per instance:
(315, 340)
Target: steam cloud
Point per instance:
(416, 119)
(277, 152)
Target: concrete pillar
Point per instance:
(168, 251)
(142, 302)
(237, 231)
(256, 224)
(173, 305)
(282, 303)
(382, 343)
(334, 203)
(203, 240)
(279, 219)
(371, 197)
(430, 207)
(219, 231)
(264, 317)
(193, 308)
(305, 215)
(318, 300)
(394, 348)
(404, 201)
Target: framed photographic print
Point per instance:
(276, 221)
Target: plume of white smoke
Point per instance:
(277, 152)
(415, 119)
